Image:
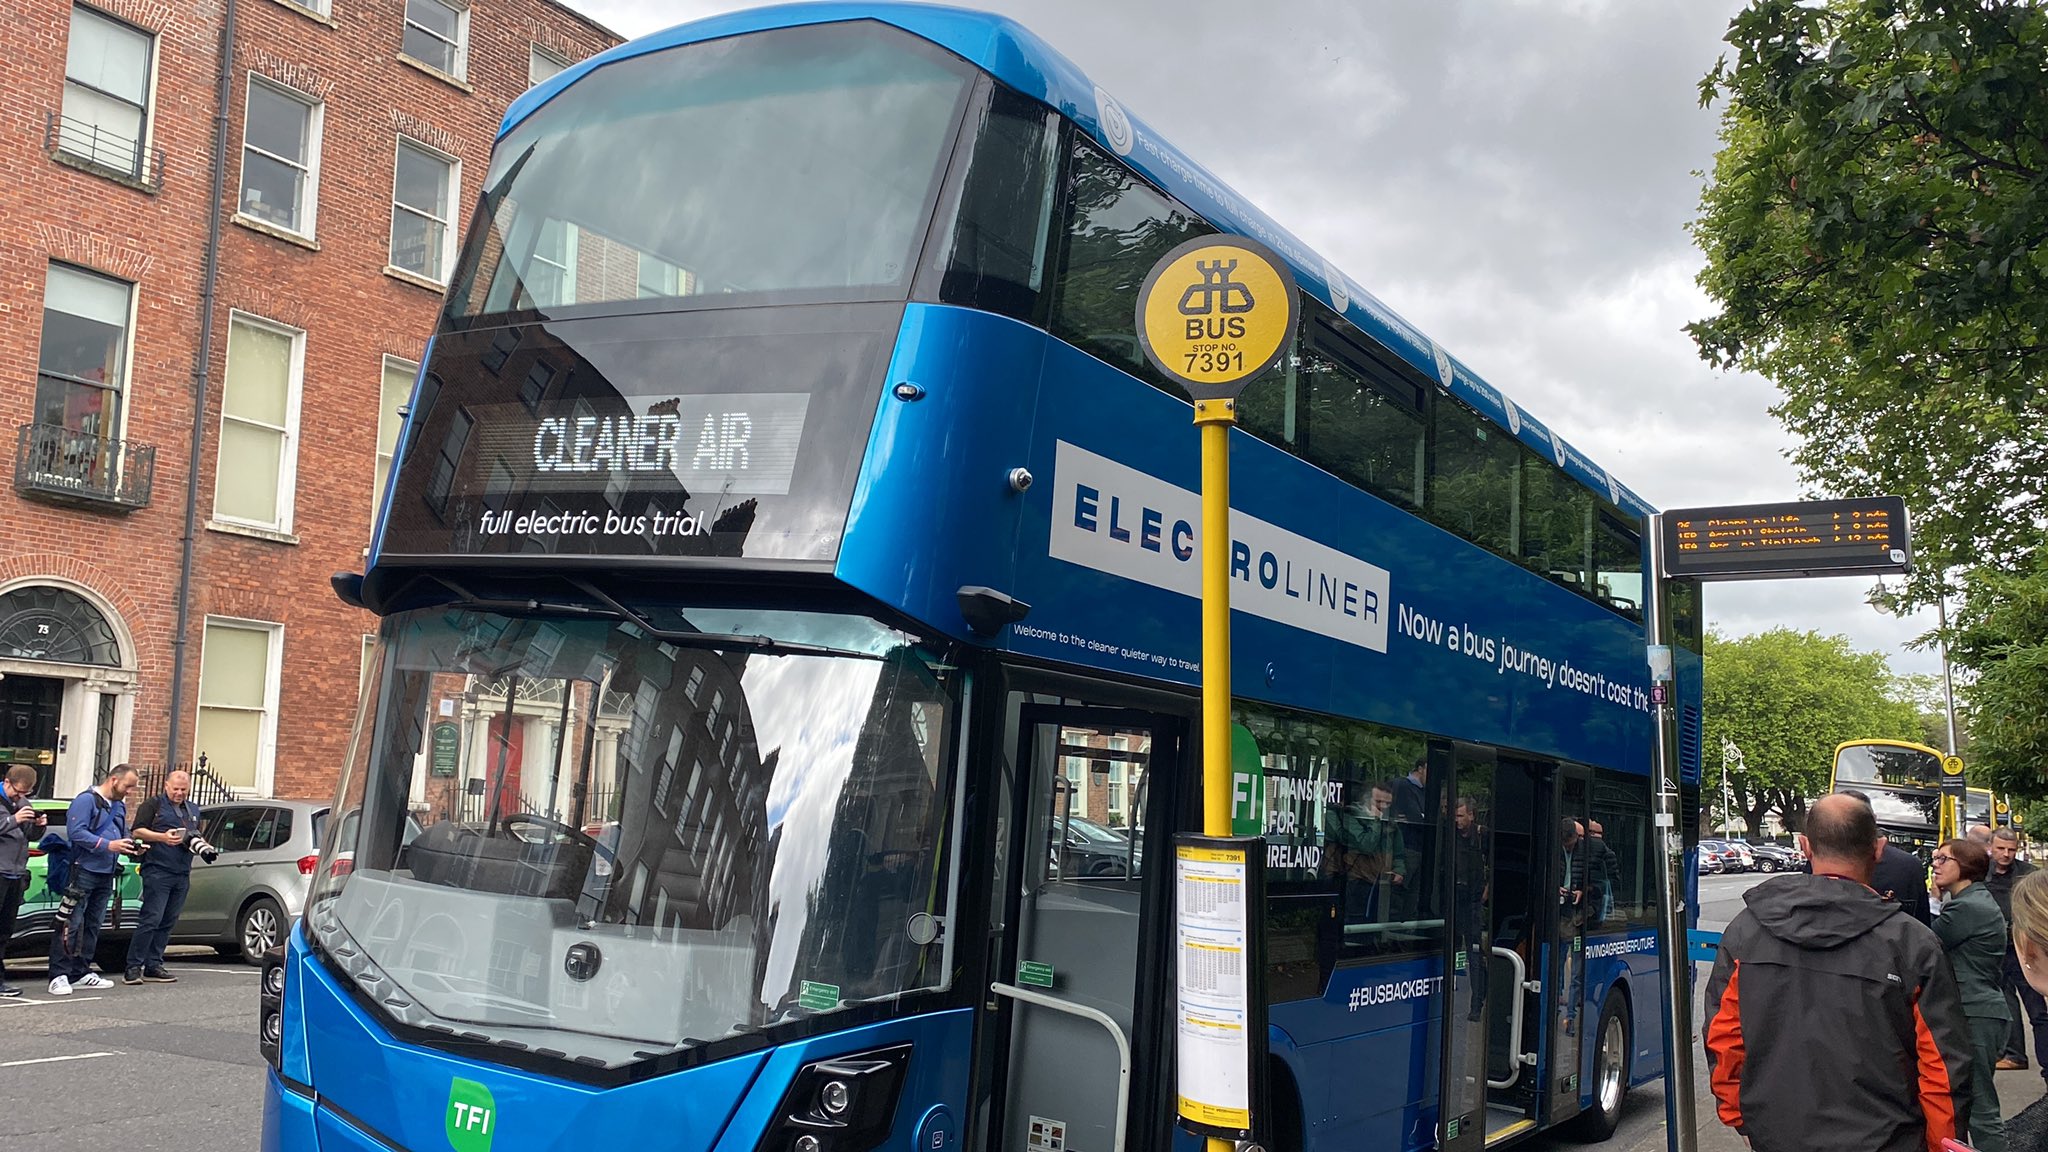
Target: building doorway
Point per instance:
(30, 711)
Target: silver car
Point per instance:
(244, 902)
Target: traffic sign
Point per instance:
(1215, 312)
(1803, 538)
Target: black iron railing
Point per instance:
(58, 464)
(207, 788)
(102, 148)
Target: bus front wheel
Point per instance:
(1610, 1072)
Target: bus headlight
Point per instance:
(847, 1104)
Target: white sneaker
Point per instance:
(61, 986)
(93, 980)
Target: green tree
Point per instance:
(1874, 230)
(1783, 700)
(2002, 633)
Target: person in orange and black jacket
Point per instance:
(1833, 1019)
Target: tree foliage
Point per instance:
(1784, 699)
(1874, 230)
(2002, 633)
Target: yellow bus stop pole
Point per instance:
(1214, 418)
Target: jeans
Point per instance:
(75, 940)
(2018, 994)
(1986, 1127)
(11, 892)
(163, 898)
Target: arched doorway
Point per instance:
(66, 685)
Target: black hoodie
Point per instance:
(1833, 1022)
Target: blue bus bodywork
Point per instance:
(1345, 606)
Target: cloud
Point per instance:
(1514, 179)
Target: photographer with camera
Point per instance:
(169, 825)
(96, 828)
(19, 823)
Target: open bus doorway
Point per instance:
(1507, 958)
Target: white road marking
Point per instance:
(27, 1003)
(56, 1059)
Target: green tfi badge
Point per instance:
(472, 1116)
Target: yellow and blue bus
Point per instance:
(784, 693)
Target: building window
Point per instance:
(106, 92)
(259, 424)
(398, 377)
(552, 280)
(437, 35)
(83, 365)
(543, 65)
(422, 188)
(238, 677)
(280, 157)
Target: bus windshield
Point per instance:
(1891, 764)
(628, 845)
(800, 162)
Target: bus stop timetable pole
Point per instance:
(1675, 950)
(1215, 418)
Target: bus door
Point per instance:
(1503, 890)
(1081, 980)
(1580, 895)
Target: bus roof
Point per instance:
(1017, 57)
(1887, 744)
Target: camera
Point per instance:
(202, 849)
(137, 848)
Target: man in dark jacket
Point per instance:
(19, 823)
(1833, 1021)
(2022, 1004)
(1901, 876)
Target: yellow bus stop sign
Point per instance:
(1951, 765)
(1215, 312)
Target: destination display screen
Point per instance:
(724, 433)
(1806, 538)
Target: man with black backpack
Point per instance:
(97, 828)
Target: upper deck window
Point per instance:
(798, 164)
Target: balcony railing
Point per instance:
(102, 149)
(66, 467)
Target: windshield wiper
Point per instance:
(723, 641)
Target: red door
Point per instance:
(507, 753)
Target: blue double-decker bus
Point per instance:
(785, 690)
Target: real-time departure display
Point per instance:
(1806, 538)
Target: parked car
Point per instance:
(1776, 858)
(39, 905)
(245, 901)
(1709, 863)
(1730, 856)
(1095, 850)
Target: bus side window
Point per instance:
(1118, 226)
(995, 258)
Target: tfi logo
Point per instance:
(472, 1116)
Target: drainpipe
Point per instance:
(200, 373)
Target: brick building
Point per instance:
(355, 135)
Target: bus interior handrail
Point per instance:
(1514, 1020)
(1116, 1033)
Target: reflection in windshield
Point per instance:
(1888, 764)
(631, 846)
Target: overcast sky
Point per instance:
(1512, 177)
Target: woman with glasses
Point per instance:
(1972, 932)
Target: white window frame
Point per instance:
(567, 268)
(315, 120)
(454, 164)
(273, 680)
(382, 463)
(147, 122)
(288, 453)
(537, 54)
(461, 42)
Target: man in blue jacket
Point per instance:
(97, 828)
